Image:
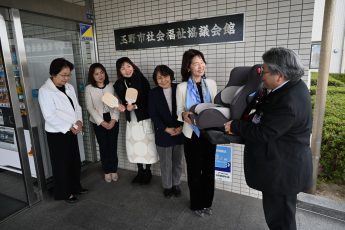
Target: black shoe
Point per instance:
(167, 192)
(208, 211)
(199, 213)
(83, 191)
(147, 177)
(72, 199)
(176, 191)
(139, 177)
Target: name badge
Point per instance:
(256, 119)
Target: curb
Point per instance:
(321, 205)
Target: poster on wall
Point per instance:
(223, 163)
(8, 138)
(229, 28)
(4, 94)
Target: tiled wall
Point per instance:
(268, 23)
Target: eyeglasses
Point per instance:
(65, 75)
(262, 72)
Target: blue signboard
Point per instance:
(223, 163)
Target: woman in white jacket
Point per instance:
(103, 118)
(199, 152)
(63, 121)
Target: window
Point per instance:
(315, 56)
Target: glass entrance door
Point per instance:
(15, 186)
(45, 39)
(29, 42)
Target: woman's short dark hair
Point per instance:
(163, 70)
(284, 61)
(187, 60)
(58, 64)
(91, 80)
(122, 60)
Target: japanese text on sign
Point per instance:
(228, 28)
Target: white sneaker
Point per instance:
(107, 177)
(114, 176)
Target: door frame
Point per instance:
(32, 196)
(32, 122)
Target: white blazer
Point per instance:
(56, 108)
(95, 105)
(181, 92)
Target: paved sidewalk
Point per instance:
(121, 205)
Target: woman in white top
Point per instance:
(199, 152)
(103, 118)
(63, 121)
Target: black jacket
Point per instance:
(277, 155)
(162, 118)
(140, 83)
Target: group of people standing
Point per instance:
(158, 126)
(277, 138)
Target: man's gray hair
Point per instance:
(284, 61)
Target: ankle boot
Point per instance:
(147, 176)
(139, 177)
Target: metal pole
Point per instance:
(321, 90)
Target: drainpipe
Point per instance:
(321, 90)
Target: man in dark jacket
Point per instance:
(277, 155)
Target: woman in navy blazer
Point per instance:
(168, 130)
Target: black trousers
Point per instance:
(280, 211)
(200, 157)
(107, 141)
(65, 160)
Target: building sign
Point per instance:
(228, 28)
(86, 32)
(223, 163)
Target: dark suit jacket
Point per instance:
(162, 118)
(277, 156)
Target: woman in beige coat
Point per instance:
(104, 119)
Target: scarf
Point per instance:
(193, 97)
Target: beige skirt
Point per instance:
(140, 141)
